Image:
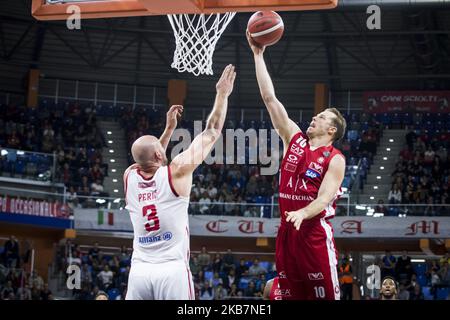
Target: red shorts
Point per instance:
(306, 261)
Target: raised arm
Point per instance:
(174, 112)
(327, 191)
(285, 127)
(184, 164)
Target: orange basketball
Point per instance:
(265, 27)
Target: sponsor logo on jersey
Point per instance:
(326, 154)
(297, 150)
(292, 158)
(316, 167)
(315, 276)
(282, 275)
(145, 185)
(290, 167)
(280, 293)
(312, 174)
(149, 239)
(167, 236)
(321, 160)
(297, 197)
(152, 239)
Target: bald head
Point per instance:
(148, 152)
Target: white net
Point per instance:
(196, 37)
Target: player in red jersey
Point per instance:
(311, 174)
(272, 290)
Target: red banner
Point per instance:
(407, 101)
(33, 207)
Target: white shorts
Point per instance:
(162, 281)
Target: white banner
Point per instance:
(227, 226)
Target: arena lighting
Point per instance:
(110, 141)
(111, 151)
(114, 180)
(355, 167)
(418, 260)
(112, 160)
(100, 201)
(391, 140)
(4, 152)
(378, 178)
(384, 158)
(358, 207)
(371, 198)
(378, 214)
(388, 149)
(20, 153)
(109, 132)
(375, 187)
(116, 200)
(113, 170)
(115, 190)
(381, 168)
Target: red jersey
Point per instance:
(301, 174)
(276, 293)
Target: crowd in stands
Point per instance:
(424, 281)
(16, 282)
(215, 275)
(100, 271)
(252, 194)
(68, 131)
(422, 174)
(224, 276)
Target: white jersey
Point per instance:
(159, 217)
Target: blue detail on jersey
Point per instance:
(167, 236)
(312, 174)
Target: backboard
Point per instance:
(89, 9)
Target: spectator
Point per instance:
(7, 291)
(417, 293)
(395, 195)
(389, 262)
(403, 294)
(404, 268)
(206, 293)
(255, 270)
(217, 263)
(11, 252)
(346, 279)
(241, 269)
(94, 253)
(106, 277)
(228, 260)
(204, 258)
(380, 208)
(46, 293)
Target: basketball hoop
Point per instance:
(196, 37)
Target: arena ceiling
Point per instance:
(411, 51)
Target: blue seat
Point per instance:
(442, 294)
(208, 275)
(420, 269)
(113, 293)
(265, 265)
(20, 167)
(427, 294)
(422, 280)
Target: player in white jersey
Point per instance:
(157, 195)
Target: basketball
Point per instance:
(266, 27)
